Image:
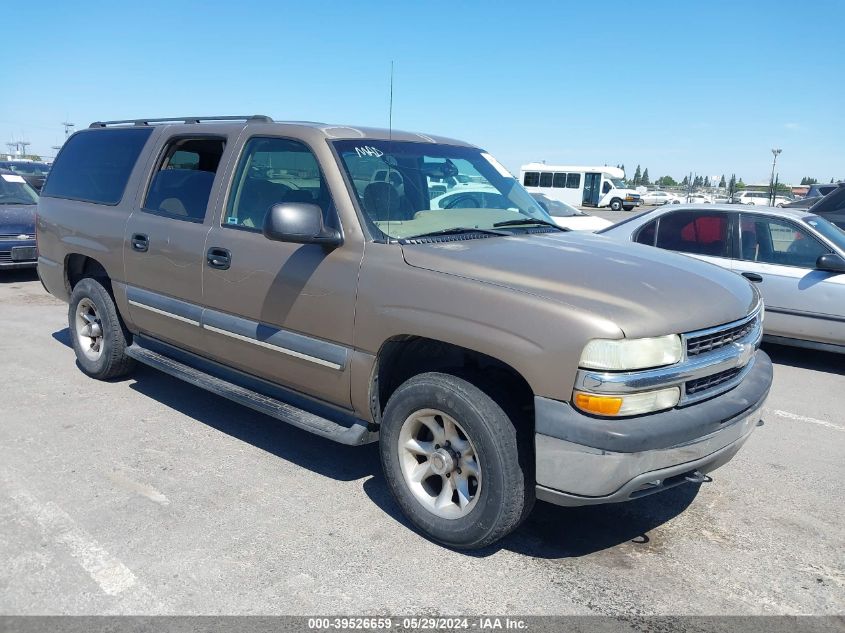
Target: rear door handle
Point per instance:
(219, 258)
(140, 242)
(753, 277)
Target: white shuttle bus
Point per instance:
(580, 185)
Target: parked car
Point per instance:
(659, 198)
(796, 258)
(759, 198)
(33, 172)
(569, 217)
(17, 222)
(698, 197)
(494, 356)
(802, 203)
(832, 206)
(819, 190)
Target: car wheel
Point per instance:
(627, 208)
(98, 336)
(454, 461)
(616, 204)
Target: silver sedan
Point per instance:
(796, 259)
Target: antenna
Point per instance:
(389, 141)
(390, 111)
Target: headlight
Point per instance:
(628, 404)
(628, 354)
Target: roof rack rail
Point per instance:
(185, 119)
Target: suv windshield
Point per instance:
(13, 190)
(34, 169)
(407, 189)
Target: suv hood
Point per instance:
(17, 218)
(643, 290)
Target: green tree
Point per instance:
(732, 185)
(645, 180)
(722, 184)
(740, 186)
(707, 181)
(637, 176)
(667, 181)
(685, 181)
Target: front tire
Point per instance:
(455, 462)
(98, 336)
(628, 208)
(616, 204)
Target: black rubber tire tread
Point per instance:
(113, 362)
(507, 492)
(612, 202)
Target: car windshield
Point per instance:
(433, 187)
(556, 208)
(619, 183)
(828, 229)
(34, 169)
(13, 190)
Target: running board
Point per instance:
(353, 435)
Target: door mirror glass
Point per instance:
(831, 262)
(300, 223)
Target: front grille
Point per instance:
(15, 237)
(5, 256)
(708, 382)
(714, 340)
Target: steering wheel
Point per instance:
(457, 201)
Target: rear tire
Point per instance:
(616, 204)
(98, 336)
(465, 492)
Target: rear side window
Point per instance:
(573, 181)
(646, 233)
(693, 232)
(559, 181)
(546, 179)
(181, 185)
(94, 166)
(531, 179)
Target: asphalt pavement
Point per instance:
(149, 496)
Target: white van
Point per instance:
(580, 186)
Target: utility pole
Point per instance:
(13, 146)
(68, 127)
(775, 152)
(23, 145)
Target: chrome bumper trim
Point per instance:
(734, 355)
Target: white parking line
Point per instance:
(803, 418)
(56, 525)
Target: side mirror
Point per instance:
(831, 262)
(300, 223)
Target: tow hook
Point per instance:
(698, 477)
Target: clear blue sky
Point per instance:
(675, 86)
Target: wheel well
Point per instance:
(402, 357)
(78, 267)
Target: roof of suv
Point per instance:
(329, 130)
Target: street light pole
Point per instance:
(775, 152)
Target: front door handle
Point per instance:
(219, 258)
(140, 242)
(753, 277)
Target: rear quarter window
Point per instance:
(94, 166)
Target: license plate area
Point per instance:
(23, 253)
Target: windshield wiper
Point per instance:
(456, 230)
(528, 221)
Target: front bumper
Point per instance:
(581, 460)
(18, 254)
